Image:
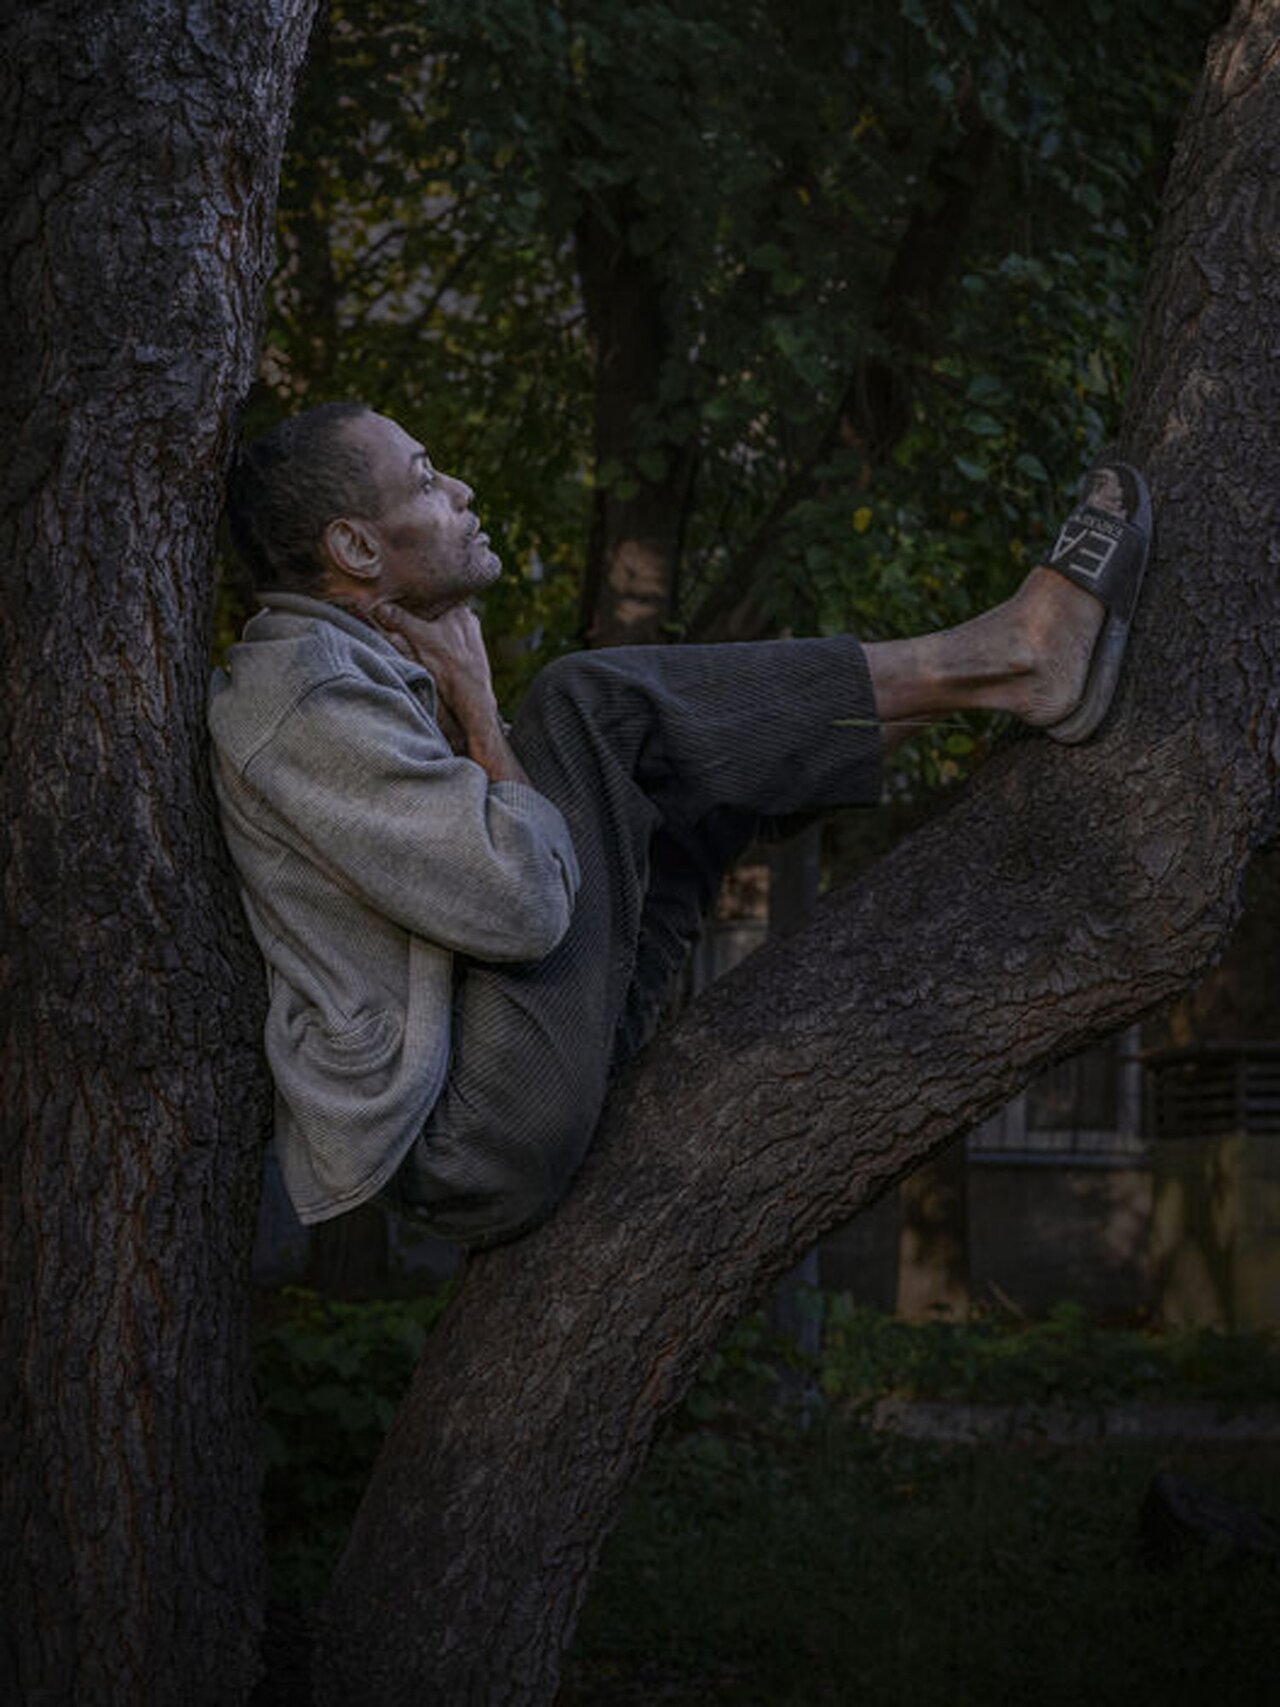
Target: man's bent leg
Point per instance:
(675, 749)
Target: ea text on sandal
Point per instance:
(1088, 543)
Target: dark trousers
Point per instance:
(665, 761)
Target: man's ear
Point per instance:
(351, 547)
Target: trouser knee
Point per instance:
(573, 680)
(484, 1192)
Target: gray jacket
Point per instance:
(369, 854)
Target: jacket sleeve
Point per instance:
(360, 780)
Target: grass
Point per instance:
(775, 1558)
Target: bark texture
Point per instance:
(1069, 891)
(141, 145)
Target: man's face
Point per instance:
(432, 550)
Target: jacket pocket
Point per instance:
(358, 1049)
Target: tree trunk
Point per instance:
(633, 552)
(141, 149)
(933, 1241)
(1069, 891)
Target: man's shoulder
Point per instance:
(291, 652)
(292, 626)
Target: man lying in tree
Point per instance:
(468, 927)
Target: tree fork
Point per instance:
(1066, 893)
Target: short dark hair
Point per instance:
(287, 486)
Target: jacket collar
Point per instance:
(302, 604)
(368, 633)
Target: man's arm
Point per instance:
(452, 647)
(359, 781)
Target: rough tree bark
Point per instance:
(1066, 893)
(141, 146)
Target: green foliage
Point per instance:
(777, 177)
(830, 1565)
(1068, 1358)
(329, 1378)
(414, 273)
(767, 1559)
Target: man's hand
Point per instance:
(452, 647)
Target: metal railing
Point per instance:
(1086, 1111)
(1212, 1088)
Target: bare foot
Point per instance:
(1057, 625)
(1062, 622)
(1029, 656)
(1033, 655)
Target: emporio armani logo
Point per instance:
(1090, 540)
